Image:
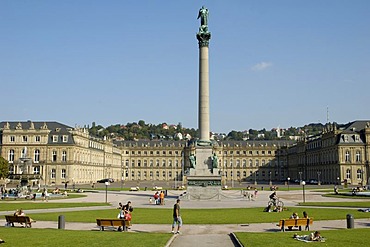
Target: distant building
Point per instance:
(59, 153)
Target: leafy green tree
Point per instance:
(4, 168)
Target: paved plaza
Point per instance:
(195, 235)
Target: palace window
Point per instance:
(64, 156)
(257, 163)
(157, 174)
(358, 156)
(238, 163)
(347, 156)
(37, 156)
(244, 173)
(63, 173)
(139, 163)
(37, 138)
(164, 174)
(24, 138)
(244, 163)
(65, 138)
(157, 162)
(250, 163)
(359, 174)
(348, 174)
(145, 163)
(11, 156)
(54, 156)
(151, 163)
(163, 163)
(170, 163)
(263, 173)
(12, 138)
(36, 170)
(53, 173)
(55, 138)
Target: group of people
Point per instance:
(125, 213)
(295, 216)
(20, 212)
(158, 198)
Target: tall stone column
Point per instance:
(203, 37)
(203, 179)
(203, 111)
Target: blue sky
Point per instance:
(272, 63)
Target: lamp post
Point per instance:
(304, 195)
(270, 183)
(288, 179)
(318, 178)
(106, 192)
(232, 172)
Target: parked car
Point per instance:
(110, 180)
(313, 181)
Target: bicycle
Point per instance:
(275, 203)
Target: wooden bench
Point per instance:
(11, 219)
(306, 222)
(120, 223)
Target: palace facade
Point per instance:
(51, 153)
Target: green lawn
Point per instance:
(337, 238)
(20, 237)
(13, 205)
(204, 216)
(354, 204)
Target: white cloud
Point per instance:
(261, 66)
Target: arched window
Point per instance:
(347, 156)
(11, 156)
(358, 156)
(348, 174)
(37, 156)
(64, 156)
(359, 174)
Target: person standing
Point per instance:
(176, 217)
(161, 197)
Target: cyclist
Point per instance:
(273, 197)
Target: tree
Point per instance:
(4, 168)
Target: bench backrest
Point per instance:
(110, 222)
(20, 219)
(296, 222)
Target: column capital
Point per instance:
(203, 38)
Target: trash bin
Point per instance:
(350, 221)
(61, 222)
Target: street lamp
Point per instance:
(304, 195)
(270, 178)
(232, 172)
(318, 178)
(288, 179)
(106, 192)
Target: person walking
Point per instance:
(176, 217)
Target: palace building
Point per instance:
(51, 153)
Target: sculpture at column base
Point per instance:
(203, 143)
